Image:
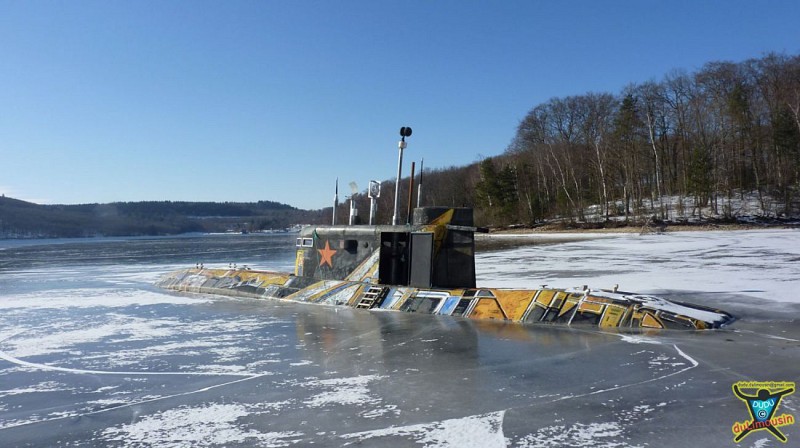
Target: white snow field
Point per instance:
(760, 263)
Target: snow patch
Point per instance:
(345, 391)
(95, 297)
(46, 386)
(60, 341)
(595, 435)
(123, 328)
(484, 431)
(211, 424)
(304, 362)
(637, 339)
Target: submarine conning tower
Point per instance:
(437, 250)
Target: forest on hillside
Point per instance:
(723, 141)
(20, 219)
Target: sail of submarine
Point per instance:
(428, 267)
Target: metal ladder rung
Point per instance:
(370, 297)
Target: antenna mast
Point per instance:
(335, 202)
(404, 132)
(353, 210)
(419, 186)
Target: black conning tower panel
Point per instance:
(395, 259)
(453, 264)
(415, 257)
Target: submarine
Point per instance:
(428, 267)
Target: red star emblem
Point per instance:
(326, 255)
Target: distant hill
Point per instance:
(21, 219)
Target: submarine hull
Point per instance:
(599, 308)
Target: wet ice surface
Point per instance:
(92, 355)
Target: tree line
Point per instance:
(692, 143)
(20, 219)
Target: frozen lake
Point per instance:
(91, 354)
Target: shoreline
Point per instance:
(502, 239)
(653, 228)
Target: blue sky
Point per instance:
(104, 101)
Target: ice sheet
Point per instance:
(760, 263)
(93, 355)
